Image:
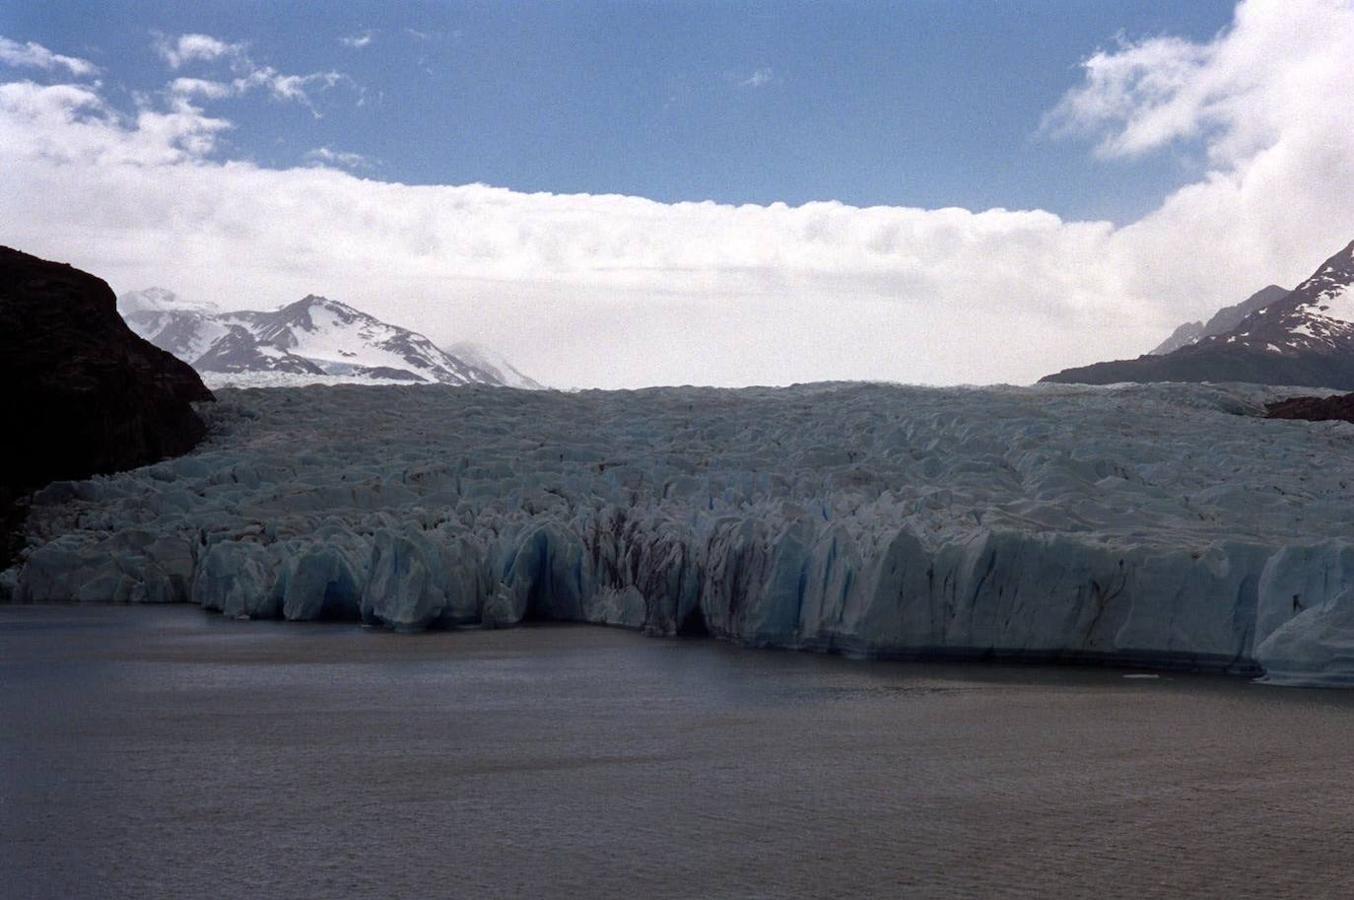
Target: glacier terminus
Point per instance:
(1149, 524)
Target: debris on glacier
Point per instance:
(1162, 525)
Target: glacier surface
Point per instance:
(1159, 524)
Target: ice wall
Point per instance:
(1161, 524)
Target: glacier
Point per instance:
(1161, 524)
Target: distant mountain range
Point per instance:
(313, 337)
(1223, 321)
(1299, 337)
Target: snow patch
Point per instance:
(1337, 303)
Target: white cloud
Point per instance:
(611, 290)
(760, 78)
(200, 87)
(69, 130)
(288, 87)
(188, 48)
(32, 55)
(359, 40)
(605, 290)
(1267, 103)
(247, 75)
(324, 156)
(1239, 92)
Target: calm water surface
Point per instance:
(167, 753)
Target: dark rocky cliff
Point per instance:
(1339, 407)
(80, 394)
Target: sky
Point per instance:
(624, 194)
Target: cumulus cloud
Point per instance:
(1266, 104)
(33, 55)
(187, 48)
(71, 131)
(1240, 92)
(201, 87)
(622, 291)
(358, 41)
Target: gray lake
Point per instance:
(164, 752)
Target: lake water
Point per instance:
(163, 752)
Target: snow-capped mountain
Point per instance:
(486, 359)
(1304, 337)
(314, 336)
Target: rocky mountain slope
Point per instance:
(1333, 408)
(80, 394)
(314, 336)
(1305, 337)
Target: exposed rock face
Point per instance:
(1305, 337)
(1314, 409)
(80, 394)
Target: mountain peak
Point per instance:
(310, 301)
(315, 336)
(321, 300)
(1340, 266)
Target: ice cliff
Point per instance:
(1157, 524)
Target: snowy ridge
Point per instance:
(1153, 524)
(312, 338)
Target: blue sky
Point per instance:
(929, 103)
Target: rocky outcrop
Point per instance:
(1219, 365)
(1339, 407)
(80, 394)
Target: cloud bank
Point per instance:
(605, 290)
